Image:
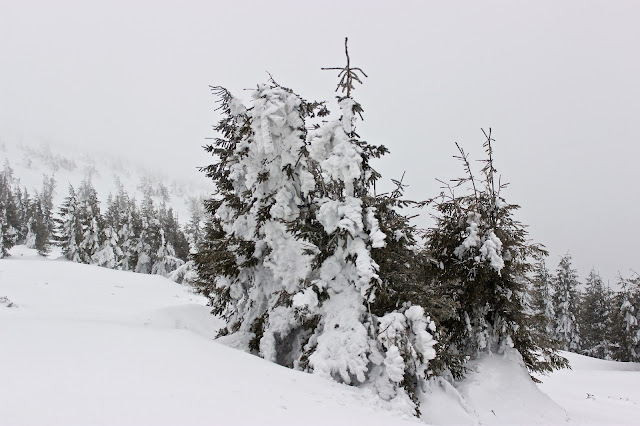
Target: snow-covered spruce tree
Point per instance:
(566, 303)
(625, 318)
(91, 222)
(149, 238)
(69, 227)
(594, 318)
(485, 261)
(110, 253)
(287, 256)
(128, 229)
(22, 201)
(43, 212)
(542, 300)
(9, 214)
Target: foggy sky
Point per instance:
(557, 82)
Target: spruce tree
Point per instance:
(9, 214)
(288, 254)
(45, 223)
(129, 231)
(626, 321)
(484, 263)
(91, 222)
(41, 226)
(566, 303)
(194, 229)
(69, 227)
(22, 201)
(149, 238)
(542, 300)
(594, 318)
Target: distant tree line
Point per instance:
(595, 321)
(127, 235)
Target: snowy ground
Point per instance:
(595, 391)
(83, 345)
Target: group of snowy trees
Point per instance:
(145, 238)
(25, 219)
(314, 270)
(596, 321)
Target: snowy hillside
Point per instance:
(31, 160)
(84, 345)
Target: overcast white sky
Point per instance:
(557, 81)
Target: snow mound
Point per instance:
(496, 391)
(193, 317)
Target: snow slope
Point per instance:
(86, 345)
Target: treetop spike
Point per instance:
(347, 74)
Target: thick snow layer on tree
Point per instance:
(81, 344)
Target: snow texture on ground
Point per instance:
(83, 345)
